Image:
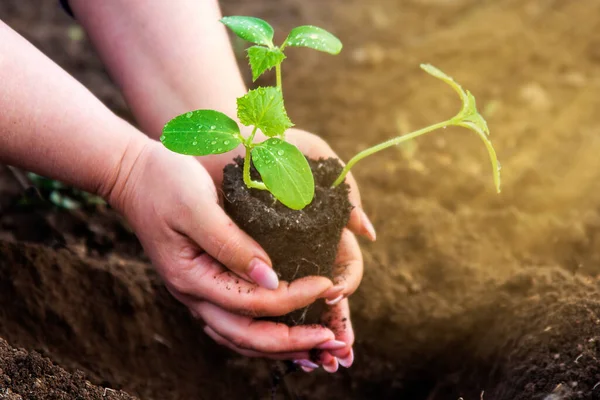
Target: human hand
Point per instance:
(349, 264)
(171, 202)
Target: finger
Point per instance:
(207, 279)
(348, 268)
(298, 355)
(330, 363)
(337, 319)
(212, 230)
(315, 147)
(359, 222)
(265, 336)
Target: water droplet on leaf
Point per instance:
(189, 114)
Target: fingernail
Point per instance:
(334, 291)
(307, 369)
(347, 361)
(367, 226)
(334, 301)
(331, 367)
(332, 345)
(306, 363)
(262, 274)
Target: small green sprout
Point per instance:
(282, 166)
(283, 169)
(59, 194)
(468, 117)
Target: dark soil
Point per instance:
(26, 375)
(466, 293)
(300, 242)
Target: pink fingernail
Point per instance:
(347, 361)
(332, 345)
(262, 274)
(307, 369)
(334, 301)
(306, 363)
(332, 367)
(334, 291)
(367, 226)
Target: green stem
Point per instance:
(392, 142)
(247, 180)
(278, 75)
(251, 138)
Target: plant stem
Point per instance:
(392, 142)
(251, 137)
(247, 180)
(278, 75)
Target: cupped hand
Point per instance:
(221, 274)
(349, 263)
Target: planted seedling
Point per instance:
(283, 168)
(299, 243)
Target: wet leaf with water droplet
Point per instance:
(195, 133)
(263, 107)
(252, 29)
(285, 172)
(315, 38)
(263, 59)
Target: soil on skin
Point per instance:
(466, 293)
(300, 243)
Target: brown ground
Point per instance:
(464, 292)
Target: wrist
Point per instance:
(124, 169)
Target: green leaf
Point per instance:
(469, 117)
(263, 59)
(252, 29)
(469, 110)
(200, 133)
(315, 38)
(490, 148)
(263, 107)
(285, 172)
(471, 114)
(433, 71)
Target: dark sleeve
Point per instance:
(65, 5)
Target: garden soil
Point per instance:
(467, 294)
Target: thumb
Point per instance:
(220, 237)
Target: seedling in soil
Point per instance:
(283, 168)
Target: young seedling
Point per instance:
(468, 117)
(283, 168)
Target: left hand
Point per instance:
(348, 264)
